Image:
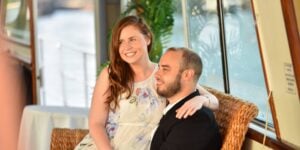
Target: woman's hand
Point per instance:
(191, 106)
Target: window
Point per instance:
(200, 20)
(66, 43)
(17, 21)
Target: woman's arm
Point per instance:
(99, 112)
(211, 101)
(205, 99)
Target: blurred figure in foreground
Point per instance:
(11, 99)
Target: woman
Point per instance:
(125, 108)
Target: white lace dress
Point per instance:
(131, 126)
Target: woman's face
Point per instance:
(133, 45)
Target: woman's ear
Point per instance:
(148, 40)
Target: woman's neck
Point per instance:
(142, 70)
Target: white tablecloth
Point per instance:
(38, 121)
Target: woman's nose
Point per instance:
(126, 45)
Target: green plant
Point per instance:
(159, 16)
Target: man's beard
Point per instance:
(171, 88)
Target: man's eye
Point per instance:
(132, 39)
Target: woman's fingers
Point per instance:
(190, 112)
(188, 109)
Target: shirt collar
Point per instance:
(170, 106)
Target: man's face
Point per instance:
(168, 77)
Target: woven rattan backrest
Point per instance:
(233, 117)
(66, 139)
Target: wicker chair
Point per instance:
(233, 117)
(66, 139)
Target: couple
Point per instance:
(126, 108)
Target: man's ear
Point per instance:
(188, 74)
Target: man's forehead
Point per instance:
(170, 58)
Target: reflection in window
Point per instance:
(17, 20)
(204, 38)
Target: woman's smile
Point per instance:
(130, 54)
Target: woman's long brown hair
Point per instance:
(121, 76)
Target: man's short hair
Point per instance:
(190, 60)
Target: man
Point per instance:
(179, 71)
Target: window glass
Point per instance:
(66, 42)
(246, 77)
(205, 40)
(17, 20)
(177, 39)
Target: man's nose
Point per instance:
(157, 73)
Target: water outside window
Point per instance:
(66, 45)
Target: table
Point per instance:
(38, 121)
